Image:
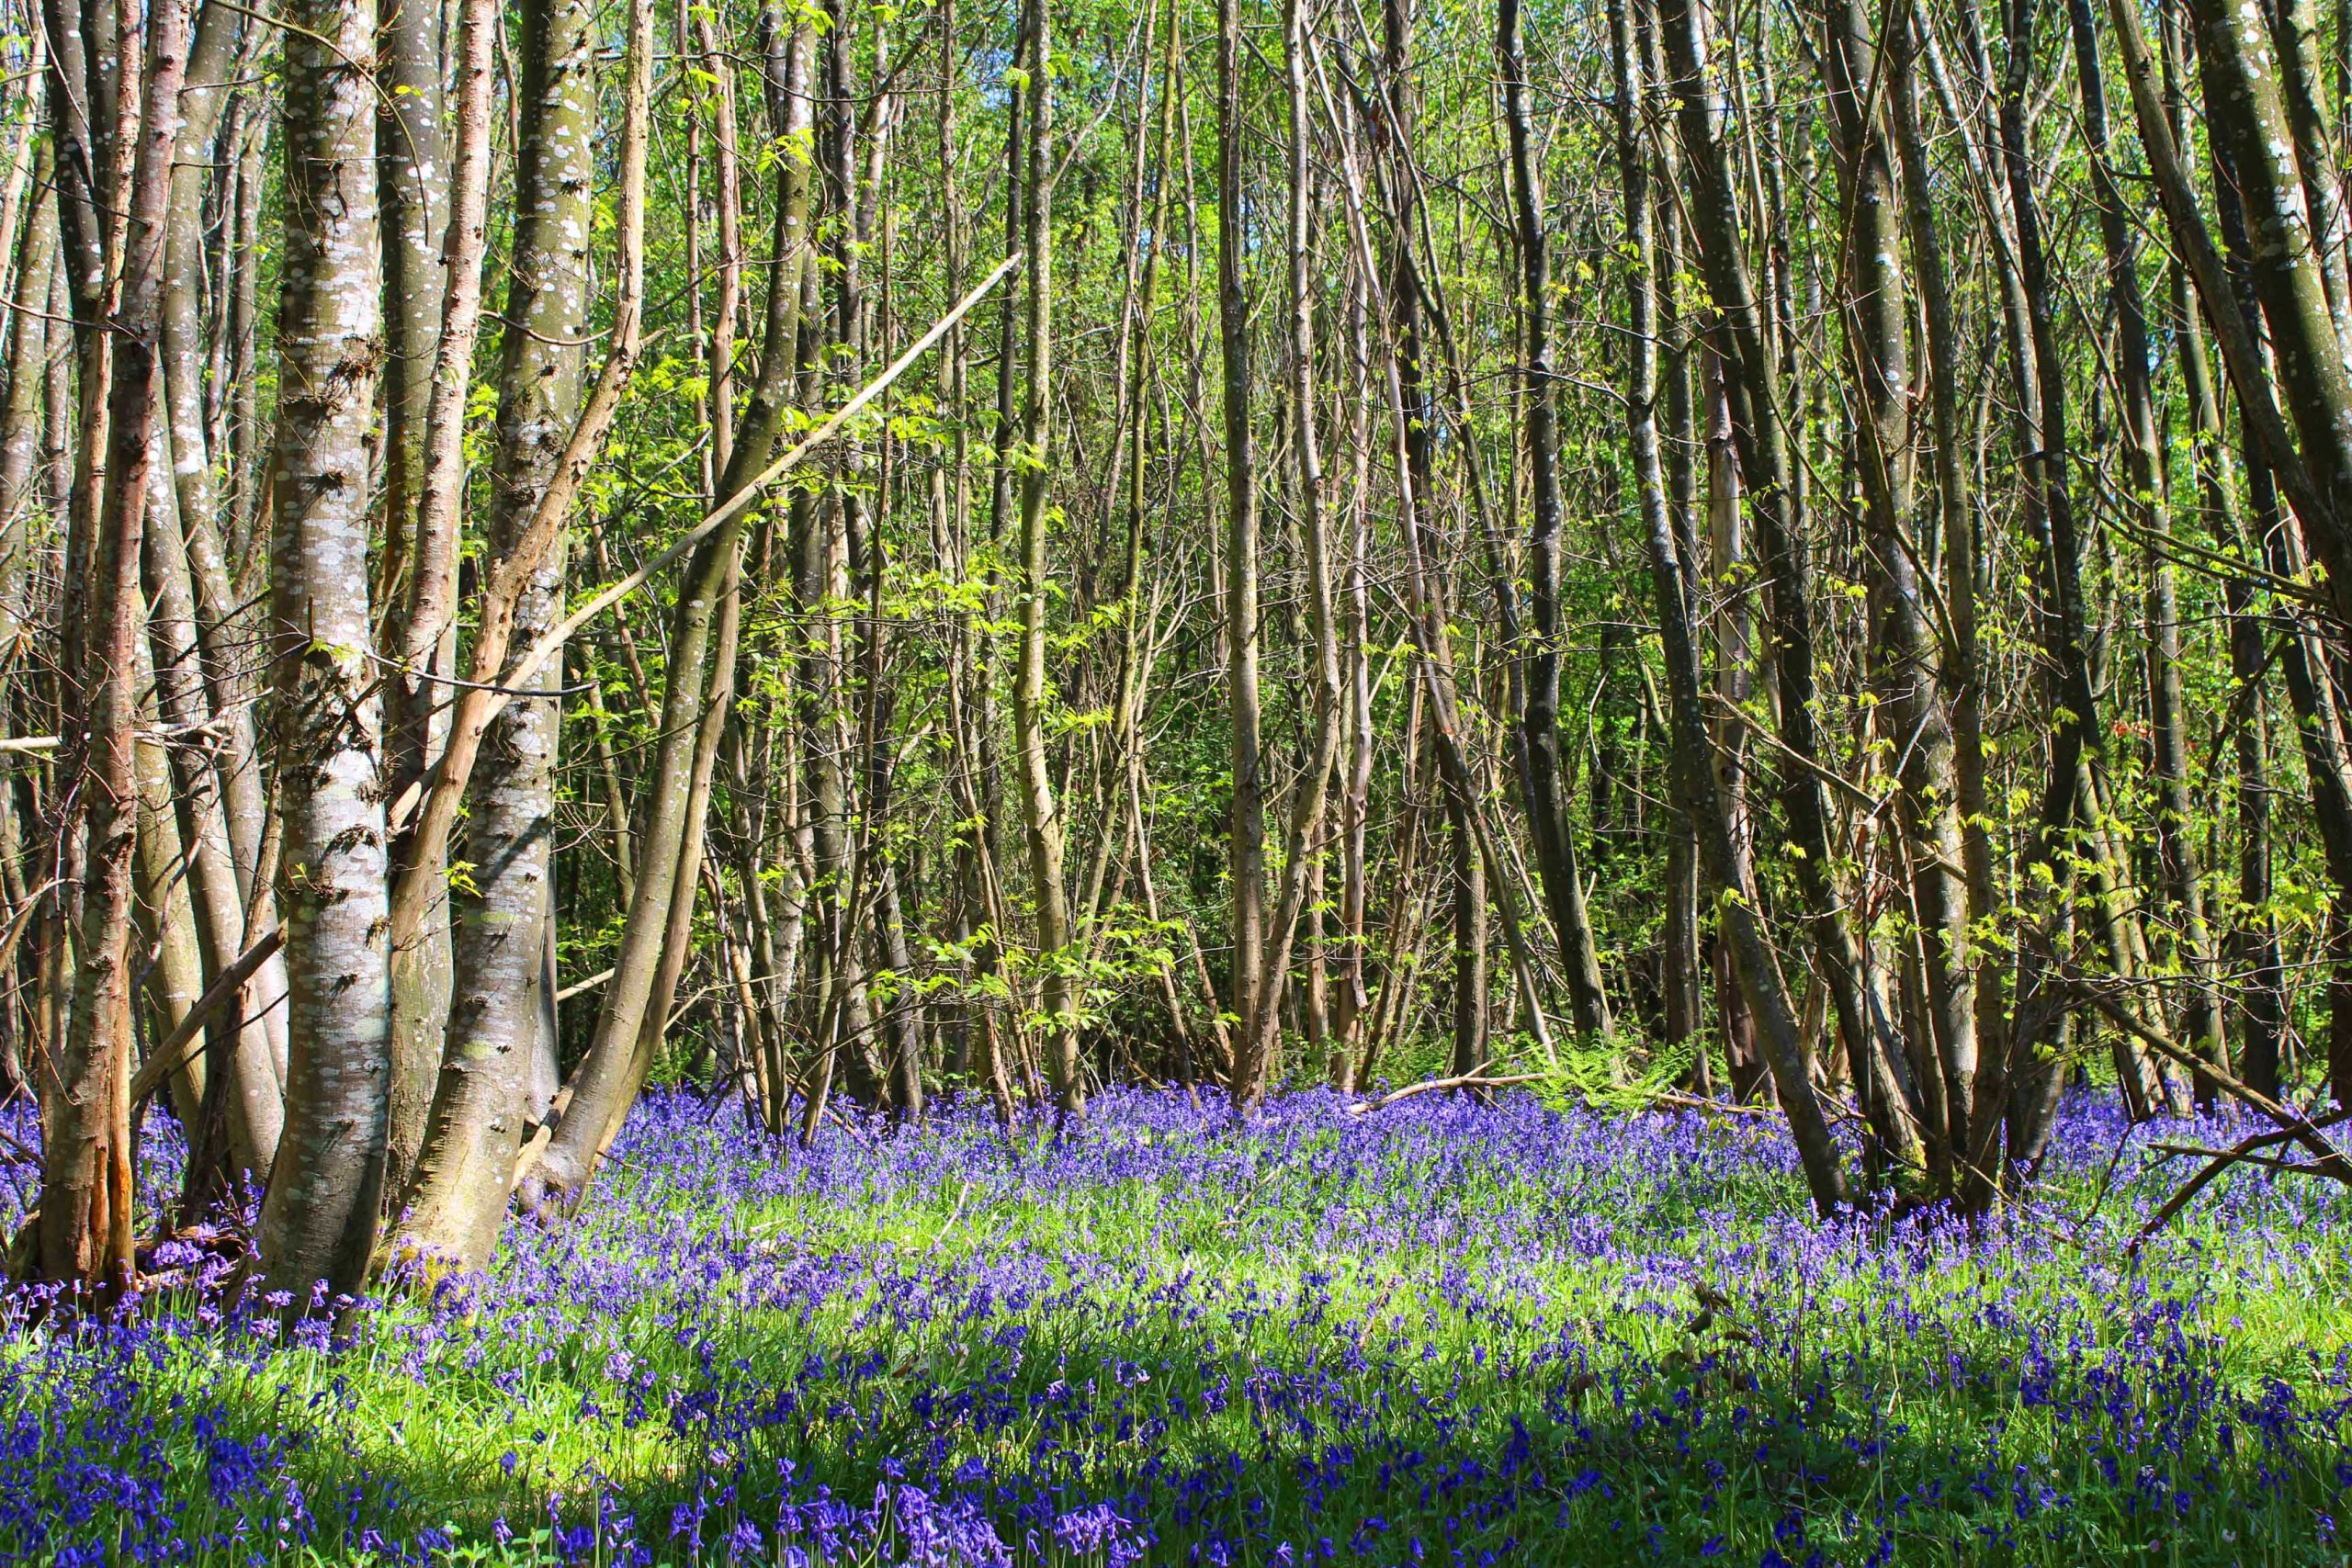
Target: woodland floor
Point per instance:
(1441, 1333)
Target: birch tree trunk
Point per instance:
(320, 1217)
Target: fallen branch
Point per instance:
(1720, 1107)
(1431, 1086)
(2292, 1123)
(2238, 1154)
(580, 987)
(2246, 1151)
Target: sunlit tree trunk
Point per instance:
(1058, 989)
(1751, 387)
(87, 1194)
(1876, 308)
(495, 1012)
(1247, 858)
(319, 1220)
(412, 183)
(604, 1085)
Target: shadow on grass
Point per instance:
(1062, 1440)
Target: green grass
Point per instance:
(1546, 1338)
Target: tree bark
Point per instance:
(1752, 389)
(87, 1196)
(1059, 992)
(601, 1088)
(320, 1217)
(1875, 309)
(2176, 846)
(496, 1008)
(1247, 859)
(1737, 912)
(1545, 790)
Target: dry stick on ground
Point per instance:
(1431, 1086)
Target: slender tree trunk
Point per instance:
(1737, 912)
(1254, 1072)
(1957, 520)
(2175, 847)
(604, 1085)
(1058, 993)
(1545, 790)
(88, 1197)
(1752, 390)
(166, 928)
(2252, 943)
(76, 1117)
(495, 1009)
(1876, 307)
(2074, 728)
(720, 68)
(1248, 857)
(423, 632)
(412, 178)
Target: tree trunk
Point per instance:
(412, 178)
(1545, 790)
(1247, 854)
(1059, 993)
(319, 1220)
(1254, 1072)
(2175, 847)
(495, 1006)
(1737, 915)
(1752, 390)
(87, 1194)
(605, 1084)
(1875, 307)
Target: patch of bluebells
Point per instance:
(1449, 1333)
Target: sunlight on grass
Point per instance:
(1445, 1333)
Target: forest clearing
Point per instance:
(1228, 781)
